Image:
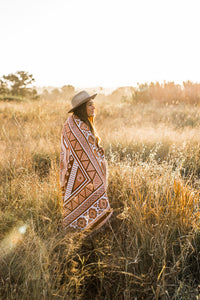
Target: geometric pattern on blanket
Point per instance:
(82, 177)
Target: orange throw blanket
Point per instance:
(82, 178)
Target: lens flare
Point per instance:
(12, 239)
(22, 229)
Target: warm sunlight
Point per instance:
(99, 149)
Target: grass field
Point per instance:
(150, 248)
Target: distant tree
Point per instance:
(45, 94)
(3, 87)
(67, 91)
(142, 93)
(18, 84)
(58, 93)
(191, 92)
(55, 94)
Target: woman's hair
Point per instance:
(81, 113)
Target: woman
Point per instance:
(83, 168)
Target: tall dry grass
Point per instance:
(150, 248)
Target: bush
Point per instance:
(41, 164)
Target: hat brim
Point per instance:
(85, 100)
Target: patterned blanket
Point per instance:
(82, 177)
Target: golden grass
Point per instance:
(150, 248)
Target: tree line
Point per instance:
(167, 92)
(20, 85)
(17, 85)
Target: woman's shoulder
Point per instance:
(81, 124)
(68, 120)
(66, 124)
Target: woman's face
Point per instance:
(90, 108)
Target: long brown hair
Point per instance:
(81, 113)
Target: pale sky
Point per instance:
(108, 43)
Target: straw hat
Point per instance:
(80, 98)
